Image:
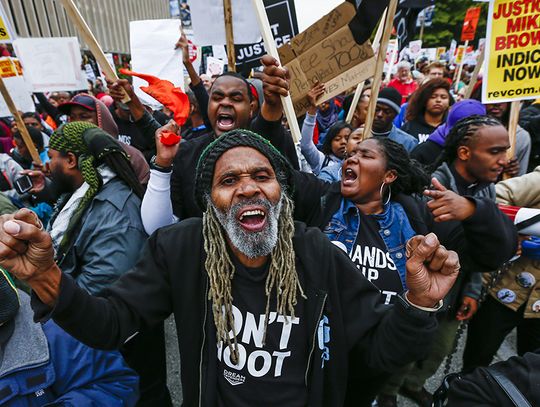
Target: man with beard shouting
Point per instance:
(268, 311)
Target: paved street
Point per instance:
(173, 364)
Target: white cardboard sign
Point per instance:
(152, 52)
(21, 95)
(214, 66)
(50, 64)
(209, 23)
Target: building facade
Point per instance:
(108, 19)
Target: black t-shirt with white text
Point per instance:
(269, 374)
(372, 258)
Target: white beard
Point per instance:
(251, 244)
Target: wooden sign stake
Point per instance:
(87, 36)
(460, 69)
(20, 123)
(474, 76)
(360, 87)
(231, 53)
(377, 77)
(512, 127)
(271, 49)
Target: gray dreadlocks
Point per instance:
(282, 277)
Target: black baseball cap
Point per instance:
(82, 100)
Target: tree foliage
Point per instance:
(448, 22)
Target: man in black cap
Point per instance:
(87, 108)
(267, 310)
(42, 365)
(388, 107)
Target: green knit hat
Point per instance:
(232, 139)
(90, 144)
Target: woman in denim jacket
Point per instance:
(380, 192)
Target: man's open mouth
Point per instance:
(225, 122)
(252, 220)
(349, 177)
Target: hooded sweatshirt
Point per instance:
(107, 123)
(428, 152)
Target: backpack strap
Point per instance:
(509, 388)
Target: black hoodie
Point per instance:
(360, 334)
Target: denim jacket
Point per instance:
(395, 230)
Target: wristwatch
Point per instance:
(415, 309)
(159, 168)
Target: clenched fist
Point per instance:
(27, 252)
(431, 270)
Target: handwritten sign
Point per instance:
(326, 52)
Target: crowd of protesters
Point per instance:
(337, 271)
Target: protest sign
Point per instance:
(152, 52)
(326, 52)
(415, 47)
(459, 54)
(208, 22)
(453, 47)
(392, 55)
(440, 52)
(39, 58)
(470, 23)
(89, 72)
(430, 53)
(425, 17)
(219, 52)
(8, 68)
(282, 17)
(512, 52)
(470, 58)
(481, 44)
(20, 93)
(214, 66)
(6, 32)
(195, 53)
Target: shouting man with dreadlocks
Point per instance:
(268, 311)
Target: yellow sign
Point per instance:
(459, 54)
(7, 67)
(440, 52)
(6, 34)
(512, 51)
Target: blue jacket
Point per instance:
(395, 230)
(41, 365)
(109, 238)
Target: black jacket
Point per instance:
(484, 241)
(479, 389)
(427, 153)
(185, 164)
(170, 278)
